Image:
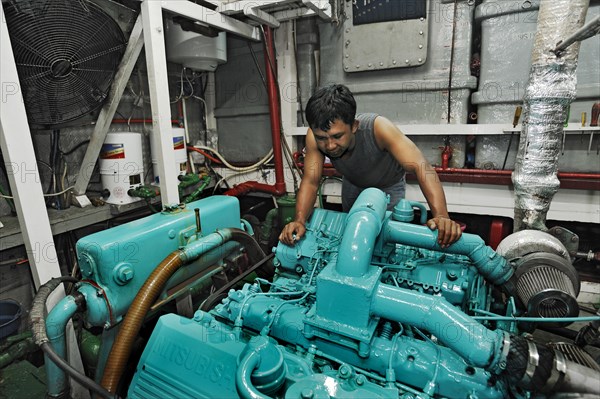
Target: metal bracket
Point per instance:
(590, 29)
(569, 239)
(270, 12)
(261, 17)
(212, 18)
(321, 8)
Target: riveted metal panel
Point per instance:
(383, 45)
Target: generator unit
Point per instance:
(367, 305)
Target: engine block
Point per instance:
(363, 306)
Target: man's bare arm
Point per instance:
(390, 138)
(307, 194)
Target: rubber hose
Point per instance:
(516, 362)
(542, 371)
(147, 295)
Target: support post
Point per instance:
(162, 137)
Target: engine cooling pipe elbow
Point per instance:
(363, 225)
(471, 340)
(491, 265)
(40, 336)
(242, 377)
(262, 369)
(147, 296)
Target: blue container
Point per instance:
(10, 317)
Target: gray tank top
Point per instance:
(368, 166)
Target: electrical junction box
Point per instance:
(383, 34)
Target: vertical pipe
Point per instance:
(307, 43)
(275, 117)
(191, 166)
(56, 324)
(274, 111)
(551, 89)
(363, 225)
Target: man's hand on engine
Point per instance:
(448, 230)
(292, 232)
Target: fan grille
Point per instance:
(67, 52)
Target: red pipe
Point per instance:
(499, 229)
(180, 109)
(577, 175)
(496, 172)
(575, 181)
(274, 109)
(493, 172)
(250, 186)
(206, 154)
(274, 112)
(446, 156)
(484, 172)
(570, 180)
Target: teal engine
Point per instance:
(363, 306)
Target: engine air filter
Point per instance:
(548, 285)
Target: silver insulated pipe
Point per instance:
(551, 89)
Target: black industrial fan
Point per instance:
(67, 52)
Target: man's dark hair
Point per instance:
(329, 103)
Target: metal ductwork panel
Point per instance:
(575, 354)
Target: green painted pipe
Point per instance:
(90, 348)
(17, 351)
(267, 226)
(196, 193)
